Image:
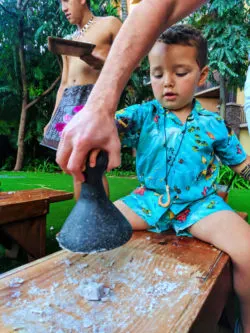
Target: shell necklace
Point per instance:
(80, 32)
(168, 201)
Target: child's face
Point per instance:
(73, 10)
(175, 74)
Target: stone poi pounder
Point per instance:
(94, 224)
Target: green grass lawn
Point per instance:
(13, 181)
(119, 186)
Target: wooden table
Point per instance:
(158, 283)
(23, 217)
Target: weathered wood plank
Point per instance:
(20, 211)
(18, 197)
(30, 235)
(23, 217)
(159, 283)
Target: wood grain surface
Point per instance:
(158, 283)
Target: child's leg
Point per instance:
(77, 187)
(105, 185)
(135, 220)
(231, 234)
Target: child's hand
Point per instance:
(92, 162)
(92, 158)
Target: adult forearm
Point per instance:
(134, 40)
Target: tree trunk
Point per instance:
(21, 6)
(222, 97)
(21, 135)
(21, 131)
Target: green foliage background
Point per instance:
(225, 23)
(41, 19)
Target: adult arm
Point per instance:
(95, 128)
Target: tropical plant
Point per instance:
(138, 89)
(226, 176)
(225, 24)
(29, 71)
(105, 8)
(39, 165)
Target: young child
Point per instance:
(177, 143)
(80, 75)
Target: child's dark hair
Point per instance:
(184, 34)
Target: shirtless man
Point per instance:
(79, 75)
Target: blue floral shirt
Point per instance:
(187, 153)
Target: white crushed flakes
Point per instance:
(38, 311)
(87, 322)
(162, 288)
(71, 280)
(55, 284)
(158, 272)
(82, 266)
(104, 299)
(34, 290)
(67, 262)
(92, 291)
(111, 263)
(106, 291)
(181, 270)
(16, 294)
(123, 297)
(16, 282)
(112, 286)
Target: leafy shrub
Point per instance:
(38, 165)
(8, 164)
(226, 174)
(127, 167)
(120, 173)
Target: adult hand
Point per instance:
(99, 133)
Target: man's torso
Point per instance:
(100, 34)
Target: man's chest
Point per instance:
(99, 37)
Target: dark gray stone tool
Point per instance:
(94, 224)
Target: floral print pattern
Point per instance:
(156, 134)
(66, 119)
